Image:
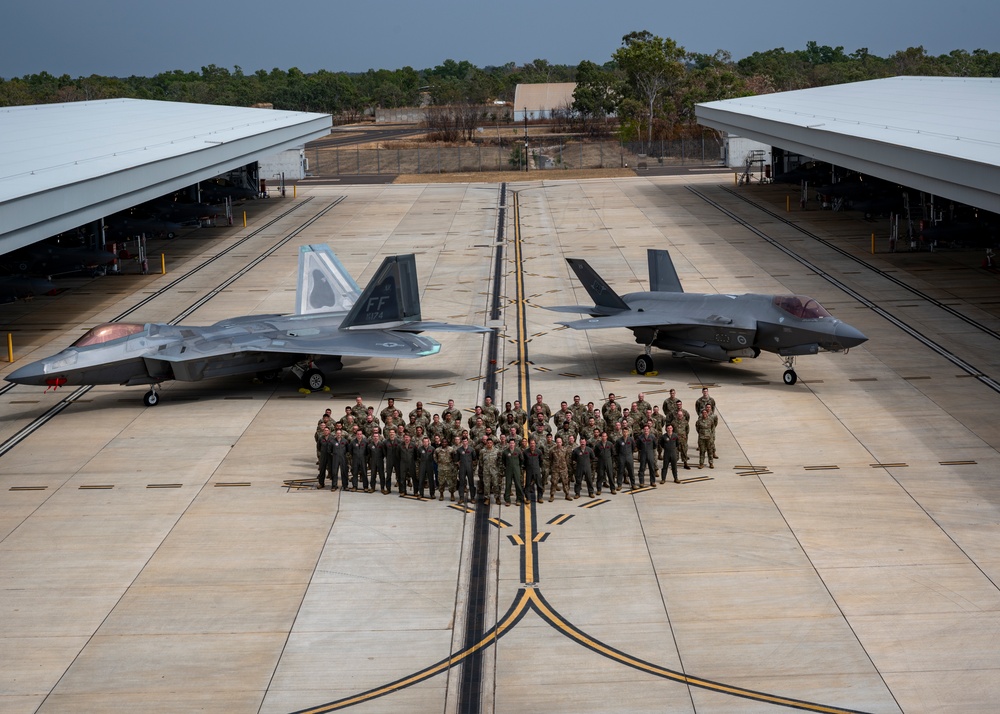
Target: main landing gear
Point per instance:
(644, 364)
(151, 398)
(313, 379)
(789, 377)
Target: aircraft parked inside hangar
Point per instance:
(333, 319)
(714, 327)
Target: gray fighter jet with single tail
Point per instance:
(333, 319)
(715, 327)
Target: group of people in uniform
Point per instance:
(475, 457)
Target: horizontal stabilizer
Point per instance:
(600, 292)
(662, 274)
(582, 309)
(623, 319)
(429, 326)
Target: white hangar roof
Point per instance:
(64, 165)
(936, 134)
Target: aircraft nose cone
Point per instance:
(29, 374)
(849, 336)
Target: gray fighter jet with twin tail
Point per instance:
(333, 319)
(720, 328)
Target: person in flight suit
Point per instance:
(324, 459)
(605, 464)
(583, 455)
(533, 458)
(465, 459)
(646, 444)
(407, 465)
(625, 448)
(377, 450)
(668, 447)
(359, 462)
(337, 449)
(511, 460)
(425, 468)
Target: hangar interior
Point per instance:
(922, 151)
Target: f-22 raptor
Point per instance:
(333, 319)
(714, 327)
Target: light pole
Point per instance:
(526, 140)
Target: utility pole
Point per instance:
(525, 139)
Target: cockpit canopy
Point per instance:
(800, 306)
(107, 332)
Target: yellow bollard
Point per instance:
(294, 190)
(163, 263)
(10, 347)
(736, 179)
(244, 219)
(788, 204)
(873, 244)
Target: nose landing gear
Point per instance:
(789, 377)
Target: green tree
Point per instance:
(652, 67)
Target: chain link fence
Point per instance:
(542, 156)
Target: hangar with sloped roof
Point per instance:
(65, 165)
(935, 134)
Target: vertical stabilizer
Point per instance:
(662, 274)
(324, 283)
(600, 292)
(391, 298)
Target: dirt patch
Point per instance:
(510, 176)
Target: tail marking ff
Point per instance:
(391, 298)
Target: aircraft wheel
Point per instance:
(643, 364)
(151, 398)
(314, 379)
(790, 377)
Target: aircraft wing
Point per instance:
(582, 309)
(627, 319)
(362, 343)
(431, 326)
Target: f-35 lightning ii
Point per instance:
(333, 319)
(714, 327)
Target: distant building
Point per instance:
(538, 101)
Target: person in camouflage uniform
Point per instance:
(489, 472)
(447, 474)
(703, 401)
(642, 405)
(680, 425)
(436, 428)
(558, 459)
(491, 415)
(456, 413)
(704, 428)
(715, 425)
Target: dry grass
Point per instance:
(509, 176)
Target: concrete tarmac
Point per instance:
(841, 555)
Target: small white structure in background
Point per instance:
(739, 148)
(292, 163)
(541, 100)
